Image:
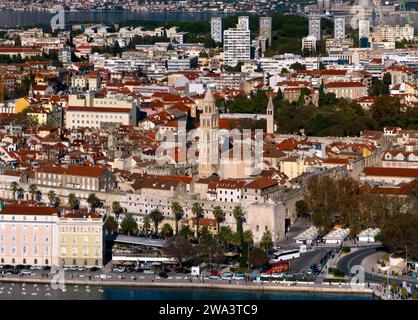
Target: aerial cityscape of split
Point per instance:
(208, 150)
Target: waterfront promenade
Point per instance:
(198, 282)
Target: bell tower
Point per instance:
(208, 138)
(270, 116)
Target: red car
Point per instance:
(215, 274)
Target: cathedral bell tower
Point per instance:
(208, 137)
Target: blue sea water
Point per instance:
(18, 291)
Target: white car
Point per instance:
(26, 272)
(239, 276)
(227, 276)
(277, 275)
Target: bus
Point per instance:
(285, 255)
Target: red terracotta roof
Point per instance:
(29, 210)
(391, 172)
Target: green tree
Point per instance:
(267, 240)
(128, 225)
(147, 223)
(206, 236)
(302, 209)
(51, 197)
(219, 215)
(116, 209)
(32, 190)
(93, 201)
(198, 213)
(72, 200)
(239, 217)
(166, 230)
(156, 217)
(14, 186)
(236, 240)
(248, 237)
(178, 214)
(297, 66)
(185, 232)
(399, 232)
(111, 225)
(225, 235)
(258, 257)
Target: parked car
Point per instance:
(148, 271)
(36, 268)
(25, 272)
(94, 269)
(239, 276)
(227, 276)
(163, 275)
(215, 274)
(277, 275)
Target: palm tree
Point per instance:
(116, 209)
(167, 231)
(156, 216)
(14, 186)
(32, 190)
(239, 217)
(128, 225)
(38, 195)
(197, 211)
(146, 224)
(72, 200)
(178, 214)
(111, 225)
(267, 240)
(247, 237)
(219, 215)
(51, 197)
(93, 201)
(225, 235)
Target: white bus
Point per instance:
(285, 255)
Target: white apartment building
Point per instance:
(265, 28)
(315, 26)
(96, 117)
(89, 111)
(339, 27)
(216, 29)
(363, 29)
(237, 46)
(388, 33)
(181, 64)
(243, 22)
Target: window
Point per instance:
(46, 261)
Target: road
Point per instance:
(348, 261)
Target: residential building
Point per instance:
(28, 235)
(77, 177)
(315, 26)
(243, 23)
(237, 46)
(265, 29)
(363, 30)
(216, 29)
(347, 90)
(339, 27)
(81, 240)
